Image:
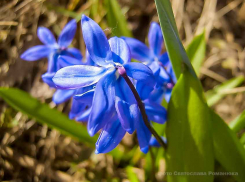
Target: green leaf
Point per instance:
(214, 95)
(239, 123)
(175, 49)
(131, 174)
(228, 150)
(64, 11)
(116, 19)
(188, 131)
(196, 51)
(30, 106)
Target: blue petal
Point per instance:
(46, 36)
(103, 107)
(143, 135)
(155, 38)
(120, 50)
(73, 77)
(164, 59)
(154, 142)
(155, 112)
(139, 50)
(76, 109)
(86, 97)
(61, 96)
(139, 71)
(167, 94)
(52, 63)
(96, 42)
(89, 61)
(110, 137)
(126, 105)
(74, 53)
(68, 61)
(157, 95)
(84, 116)
(36, 52)
(144, 89)
(171, 72)
(67, 34)
(47, 78)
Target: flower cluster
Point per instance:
(101, 94)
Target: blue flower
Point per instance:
(152, 56)
(53, 49)
(114, 108)
(154, 142)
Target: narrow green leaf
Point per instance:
(214, 95)
(228, 150)
(30, 106)
(196, 51)
(63, 11)
(116, 19)
(131, 174)
(189, 136)
(173, 44)
(239, 123)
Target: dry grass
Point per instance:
(31, 152)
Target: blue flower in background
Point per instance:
(159, 63)
(53, 49)
(114, 108)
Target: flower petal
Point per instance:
(86, 97)
(154, 142)
(47, 78)
(110, 137)
(155, 112)
(164, 59)
(76, 109)
(74, 52)
(155, 38)
(84, 116)
(36, 52)
(67, 34)
(126, 105)
(96, 42)
(68, 61)
(139, 71)
(139, 50)
(144, 89)
(61, 96)
(89, 61)
(120, 50)
(46, 36)
(103, 107)
(73, 77)
(52, 63)
(143, 135)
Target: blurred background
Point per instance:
(33, 152)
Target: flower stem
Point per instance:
(141, 106)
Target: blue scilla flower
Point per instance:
(53, 49)
(114, 107)
(62, 95)
(152, 56)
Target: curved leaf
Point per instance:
(196, 51)
(189, 134)
(228, 150)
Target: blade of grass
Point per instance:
(116, 19)
(42, 113)
(214, 95)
